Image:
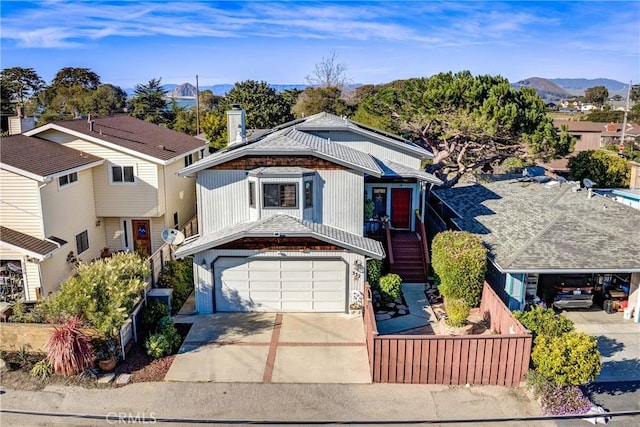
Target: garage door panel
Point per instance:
(280, 285)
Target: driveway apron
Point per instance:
(273, 348)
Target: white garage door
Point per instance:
(280, 285)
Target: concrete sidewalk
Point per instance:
(420, 312)
(275, 402)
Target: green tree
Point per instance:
(208, 101)
(572, 358)
(19, 85)
(68, 94)
(635, 93)
(604, 117)
(459, 261)
(607, 170)
(149, 102)
(466, 121)
(184, 119)
(106, 100)
(597, 95)
(315, 100)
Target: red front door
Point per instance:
(401, 207)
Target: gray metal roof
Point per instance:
(291, 142)
(395, 169)
(284, 226)
(531, 227)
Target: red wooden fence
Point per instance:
(455, 360)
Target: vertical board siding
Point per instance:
(227, 185)
(341, 199)
(180, 194)
(454, 360)
(20, 207)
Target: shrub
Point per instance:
(544, 321)
(606, 169)
(165, 341)
(459, 262)
(42, 369)
(177, 275)
(68, 349)
(102, 292)
(555, 399)
(390, 287)
(572, 358)
(22, 314)
(152, 313)
(457, 312)
(374, 270)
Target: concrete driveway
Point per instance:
(273, 348)
(618, 342)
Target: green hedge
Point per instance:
(459, 261)
(390, 287)
(177, 275)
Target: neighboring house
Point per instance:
(540, 233)
(47, 211)
(137, 193)
(281, 216)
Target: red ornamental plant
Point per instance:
(69, 349)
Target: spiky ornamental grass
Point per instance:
(69, 349)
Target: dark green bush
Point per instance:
(459, 261)
(572, 358)
(177, 275)
(390, 287)
(606, 169)
(165, 341)
(457, 312)
(374, 270)
(152, 314)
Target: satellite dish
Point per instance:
(588, 183)
(172, 236)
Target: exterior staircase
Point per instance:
(408, 257)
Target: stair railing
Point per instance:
(423, 242)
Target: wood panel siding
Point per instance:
(379, 150)
(252, 162)
(497, 359)
(341, 200)
(223, 199)
(117, 199)
(278, 244)
(20, 207)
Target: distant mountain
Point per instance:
(548, 90)
(185, 90)
(577, 87)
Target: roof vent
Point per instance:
(91, 122)
(160, 146)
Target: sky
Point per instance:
(224, 42)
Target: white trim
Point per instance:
(48, 178)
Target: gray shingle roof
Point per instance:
(532, 227)
(133, 134)
(41, 158)
(395, 169)
(285, 225)
(291, 142)
(28, 244)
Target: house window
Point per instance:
(252, 194)
(176, 224)
(188, 159)
(82, 242)
(280, 195)
(68, 179)
(126, 234)
(380, 202)
(122, 174)
(308, 194)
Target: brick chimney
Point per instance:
(236, 130)
(611, 127)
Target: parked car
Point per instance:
(573, 293)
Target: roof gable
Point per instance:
(28, 245)
(126, 133)
(40, 159)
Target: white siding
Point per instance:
(180, 194)
(204, 279)
(114, 234)
(56, 270)
(20, 207)
(223, 199)
(340, 201)
(376, 149)
(31, 275)
(138, 199)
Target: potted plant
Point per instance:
(369, 208)
(107, 355)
